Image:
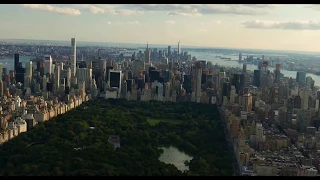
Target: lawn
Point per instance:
(154, 122)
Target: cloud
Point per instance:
(170, 22)
(193, 13)
(54, 9)
(189, 10)
(96, 10)
(292, 25)
(123, 23)
(199, 9)
(107, 9)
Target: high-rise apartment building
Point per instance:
(57, 73)
(198, 81)
(73, 57)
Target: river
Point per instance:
(9, 62)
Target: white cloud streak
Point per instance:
(170, 22)
(124, 23)
(289, 25)
(188, 10)
(53, 9)
(107, 9)
(201, 9)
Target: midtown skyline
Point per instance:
(249, 26)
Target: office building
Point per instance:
(114, 79)
(147, 54)
(16, 61)
(28, 74)
(240, 57)
(256, 78)
(301, 77)
(47, 65)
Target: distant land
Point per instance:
(140, 45)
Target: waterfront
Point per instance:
(235, 64)
(9, 62)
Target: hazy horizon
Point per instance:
(173, 46)
(242, 26)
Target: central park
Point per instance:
(150, 134)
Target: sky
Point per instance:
(246, 26)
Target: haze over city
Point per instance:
(276, 27)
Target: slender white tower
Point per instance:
(179, 51)
(179, 48)
(73, 57)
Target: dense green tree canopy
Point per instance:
(66, 145)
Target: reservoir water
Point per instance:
(175, 157)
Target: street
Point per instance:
(230, 143)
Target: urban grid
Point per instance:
(271, 121)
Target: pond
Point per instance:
(173, 156)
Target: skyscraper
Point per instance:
(244, 68)
(256, 78)
(179, 50)
(1, 71)
(57, 76)
(47, 65)
(169, 52)
(240, 57)
(147, 54)
(28, 74)
(16, 61)
(29, 68)
(198, 82)
(114, 79)
(73, 57)
(301, 77)
(19, 70)
(247, 102)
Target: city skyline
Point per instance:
(274, 27)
